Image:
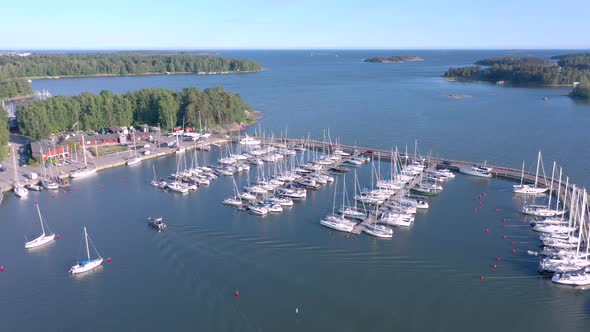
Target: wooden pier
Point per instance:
(435, 162)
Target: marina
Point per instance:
(467, 247)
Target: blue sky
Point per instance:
(294, 24)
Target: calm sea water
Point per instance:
(425, 278)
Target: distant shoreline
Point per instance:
(144, 74)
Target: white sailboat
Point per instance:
(135, 159)
(83, 172)
(335, 221)
(41, 239)
(19, 190)
(528, 189)
(87, 264)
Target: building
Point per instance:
(47, 149)
(105, 139)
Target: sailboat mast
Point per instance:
(87, 248)
(40, 219)
(537, 172)
(551, 187)
(522, 175)
(84, 150)
(558, 191)
(343, 189)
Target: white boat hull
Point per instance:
(470, 171)
(82, 173)
(40, 241)
(87, 266)
(337, 226)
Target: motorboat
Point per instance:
(157, 223)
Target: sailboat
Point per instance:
(135, 159)
(542, 210)
(83, 172)
(528, 189)
(234, 200)
(19, 190)
(87, 264)
(335, 221)
(41, 239)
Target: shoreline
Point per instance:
(143, 74)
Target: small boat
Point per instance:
(249, 141)
(233, 201)
(33, 187)
(575, 278)
(339, 169)
(541, 211)
(157, 223)
(177, 187)
(50, 184)
(87, 264)
(351, 212)
(133, 161)
(380, 231)
(258, 209)
(83, 172)
(41, 239)
(477, 170)
(338, 223)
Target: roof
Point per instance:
(46, 144)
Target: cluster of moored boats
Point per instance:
(390, 203)
(564, 234)
(281, 177)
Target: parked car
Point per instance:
(2, 169)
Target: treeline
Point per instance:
(14, 87)
(40, 65)
(4, 134)
(39, 119)
(579, 60)
(513, 60)
(521, 70)
(581, 91)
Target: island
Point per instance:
(395, 59)
(16, 69)
(568, 70)
(212, 108)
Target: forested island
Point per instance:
(568, 69)
(39, 119)
(13, 67)
(395, 59)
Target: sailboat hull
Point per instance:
(86, 266)
(40, 241)
(82, 173)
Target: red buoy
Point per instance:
(481, 277)
(53, 196)
(78, 188)
(59, 237)
(513, 251)
(505, 226)
(1, 268)
(110, 260)
(36, 202)
(237, 294)
(505, 237)
(487, 231)
(494, 266)
(498, 259)
(513, 242)
(480, 203)
(504, 220)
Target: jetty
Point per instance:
(498, 171)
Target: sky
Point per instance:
(294, 24)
